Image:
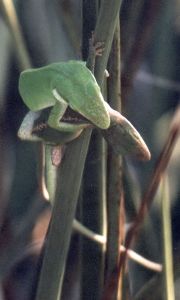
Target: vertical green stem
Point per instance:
(94, 217)
(57, 244)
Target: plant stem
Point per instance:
(94, 213)
(135, 54)
(129, 27)
(167, 241)
(94, 188)
(104, 31)
(155, 285)
(115, 192)
(58, 239)
(15, 29)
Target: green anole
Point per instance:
(61, 86)
(68, 95)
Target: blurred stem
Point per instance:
(130, 28)
(24, 62)
(3, 159)
(143, 35)
(70, 23)
(152, 290)
(115, 191)
(15, 247)
(15, 29)
(8, 9)
(167, 241)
